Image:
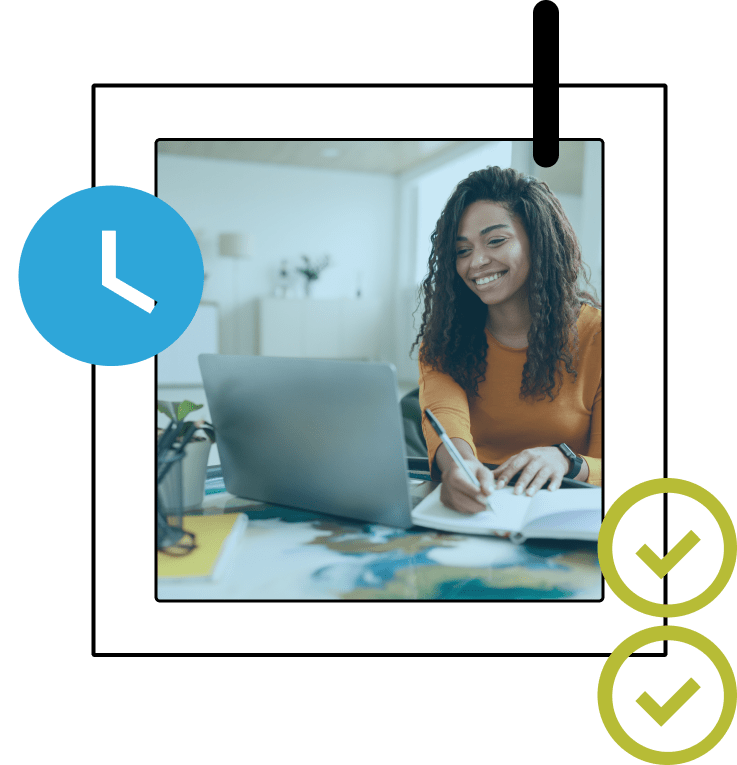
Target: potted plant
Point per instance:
(196, 453)
(311, 271)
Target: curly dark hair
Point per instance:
(452, 338)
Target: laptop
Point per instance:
(313, 434)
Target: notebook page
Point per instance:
(572, 524)
(548, 503)
(506, 517)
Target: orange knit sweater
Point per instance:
(499, 424)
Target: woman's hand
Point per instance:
(459, 493)
(537, 466)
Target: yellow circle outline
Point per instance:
(614, 663)
(648, 489)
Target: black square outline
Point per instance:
(94, 652)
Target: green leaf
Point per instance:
(177, 410)
(186, 407)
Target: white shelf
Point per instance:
(341, 328)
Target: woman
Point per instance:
(510, 347)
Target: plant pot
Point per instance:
(193, 472)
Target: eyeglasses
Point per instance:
(182, 547)
(171, 538)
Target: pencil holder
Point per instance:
(169, 498)
(184, 485)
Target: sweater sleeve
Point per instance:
(442, 395)
(593, 458)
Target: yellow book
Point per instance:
(216, 537)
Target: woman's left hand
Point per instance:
(537, 466)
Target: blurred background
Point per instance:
(263, 210)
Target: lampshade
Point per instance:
(232, 245)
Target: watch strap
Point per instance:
(575, 460)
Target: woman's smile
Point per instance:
(482, 281)
(493, 253)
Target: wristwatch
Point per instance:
(576, 461)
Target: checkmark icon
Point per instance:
(661, 715)
(661, 566)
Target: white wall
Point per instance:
(590, 232)
(284, 211)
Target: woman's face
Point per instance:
(492, 253)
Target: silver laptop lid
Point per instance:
(310, 433)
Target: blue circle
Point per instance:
(61, 275)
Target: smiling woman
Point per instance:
(493, 259)
(510, 345)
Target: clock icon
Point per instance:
(111, 275)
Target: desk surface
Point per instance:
(289, 554)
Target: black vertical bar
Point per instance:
(93, 138)
(545, 84)
(665, 341)
(93, 434)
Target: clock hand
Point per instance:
(111, 281)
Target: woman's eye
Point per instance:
(461, 253)
(496, 241)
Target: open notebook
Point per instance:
(561, 514)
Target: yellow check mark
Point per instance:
(661, 566)
(661, 715)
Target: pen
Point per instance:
(438, 428)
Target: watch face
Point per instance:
(111, 275)
(567, 451)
